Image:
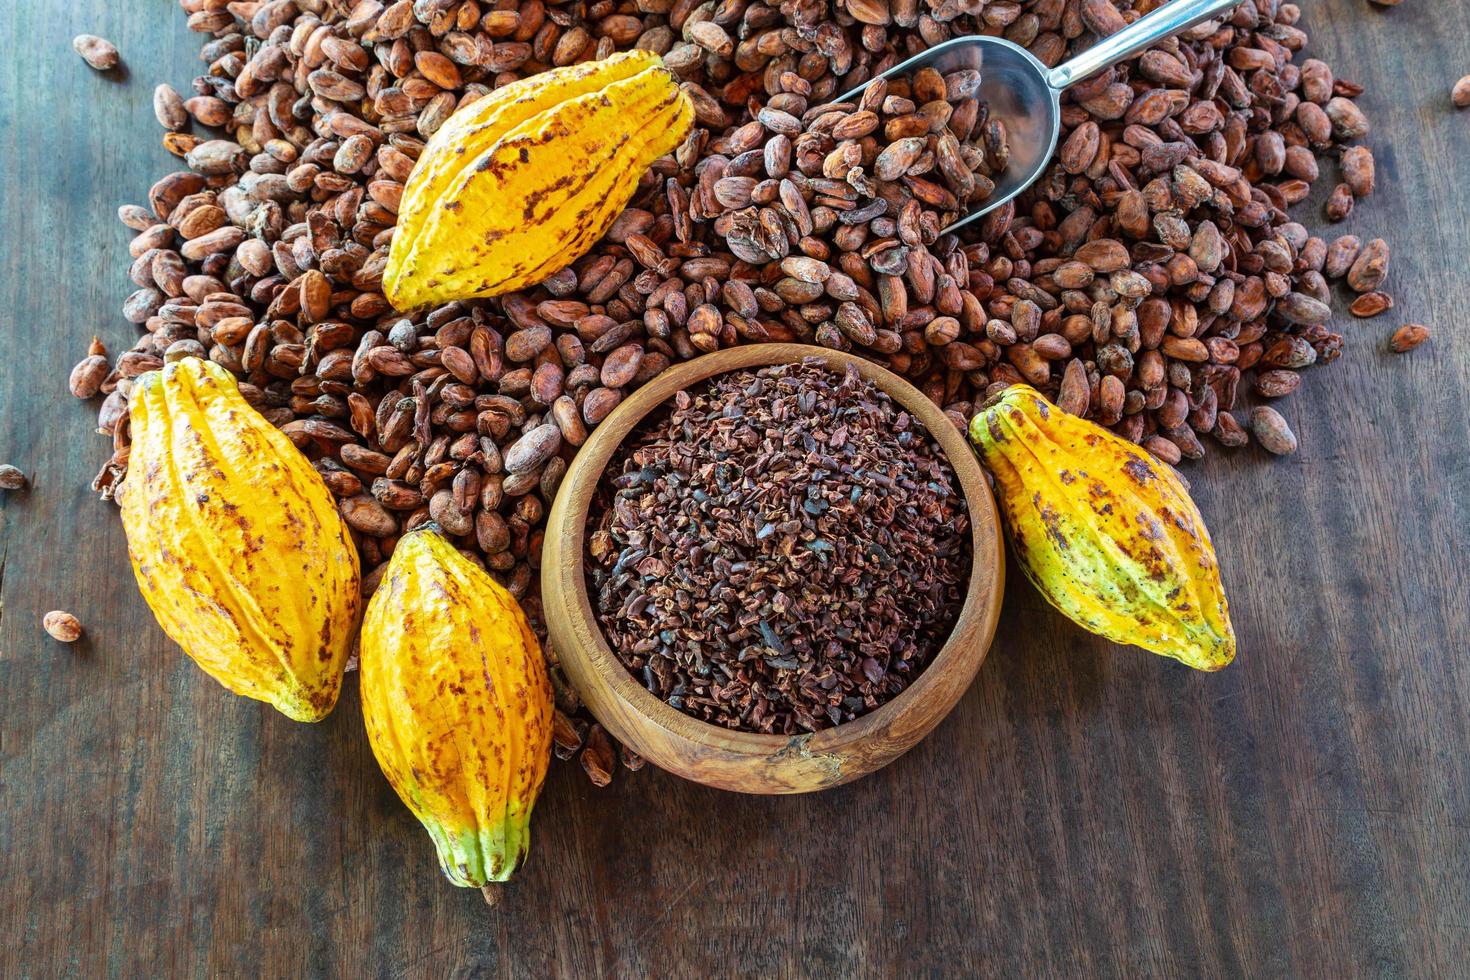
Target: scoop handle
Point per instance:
(1167, 20)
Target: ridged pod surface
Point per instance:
(236, 543)
(521, 182)
(457, 705)
(1107, 534)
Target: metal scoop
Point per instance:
(1027, 95)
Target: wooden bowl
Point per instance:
(744, 761)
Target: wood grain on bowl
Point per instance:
(745, 761)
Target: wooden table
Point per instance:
(1085, 810)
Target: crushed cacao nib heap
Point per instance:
(782, 550)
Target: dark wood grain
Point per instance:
(1086, 809)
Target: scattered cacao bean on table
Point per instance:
(597, 757)
(1150, 275)
(1407, 337)
(62, 626)
(169, 108)
(96, 51)
(11, 477)
(90, 372)
(1272, 431)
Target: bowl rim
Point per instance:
(958, 655)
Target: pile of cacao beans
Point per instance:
(1152, 280)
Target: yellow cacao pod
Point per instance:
(521, 182)
(236, 542)
(1108, 534)
(457, 705)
